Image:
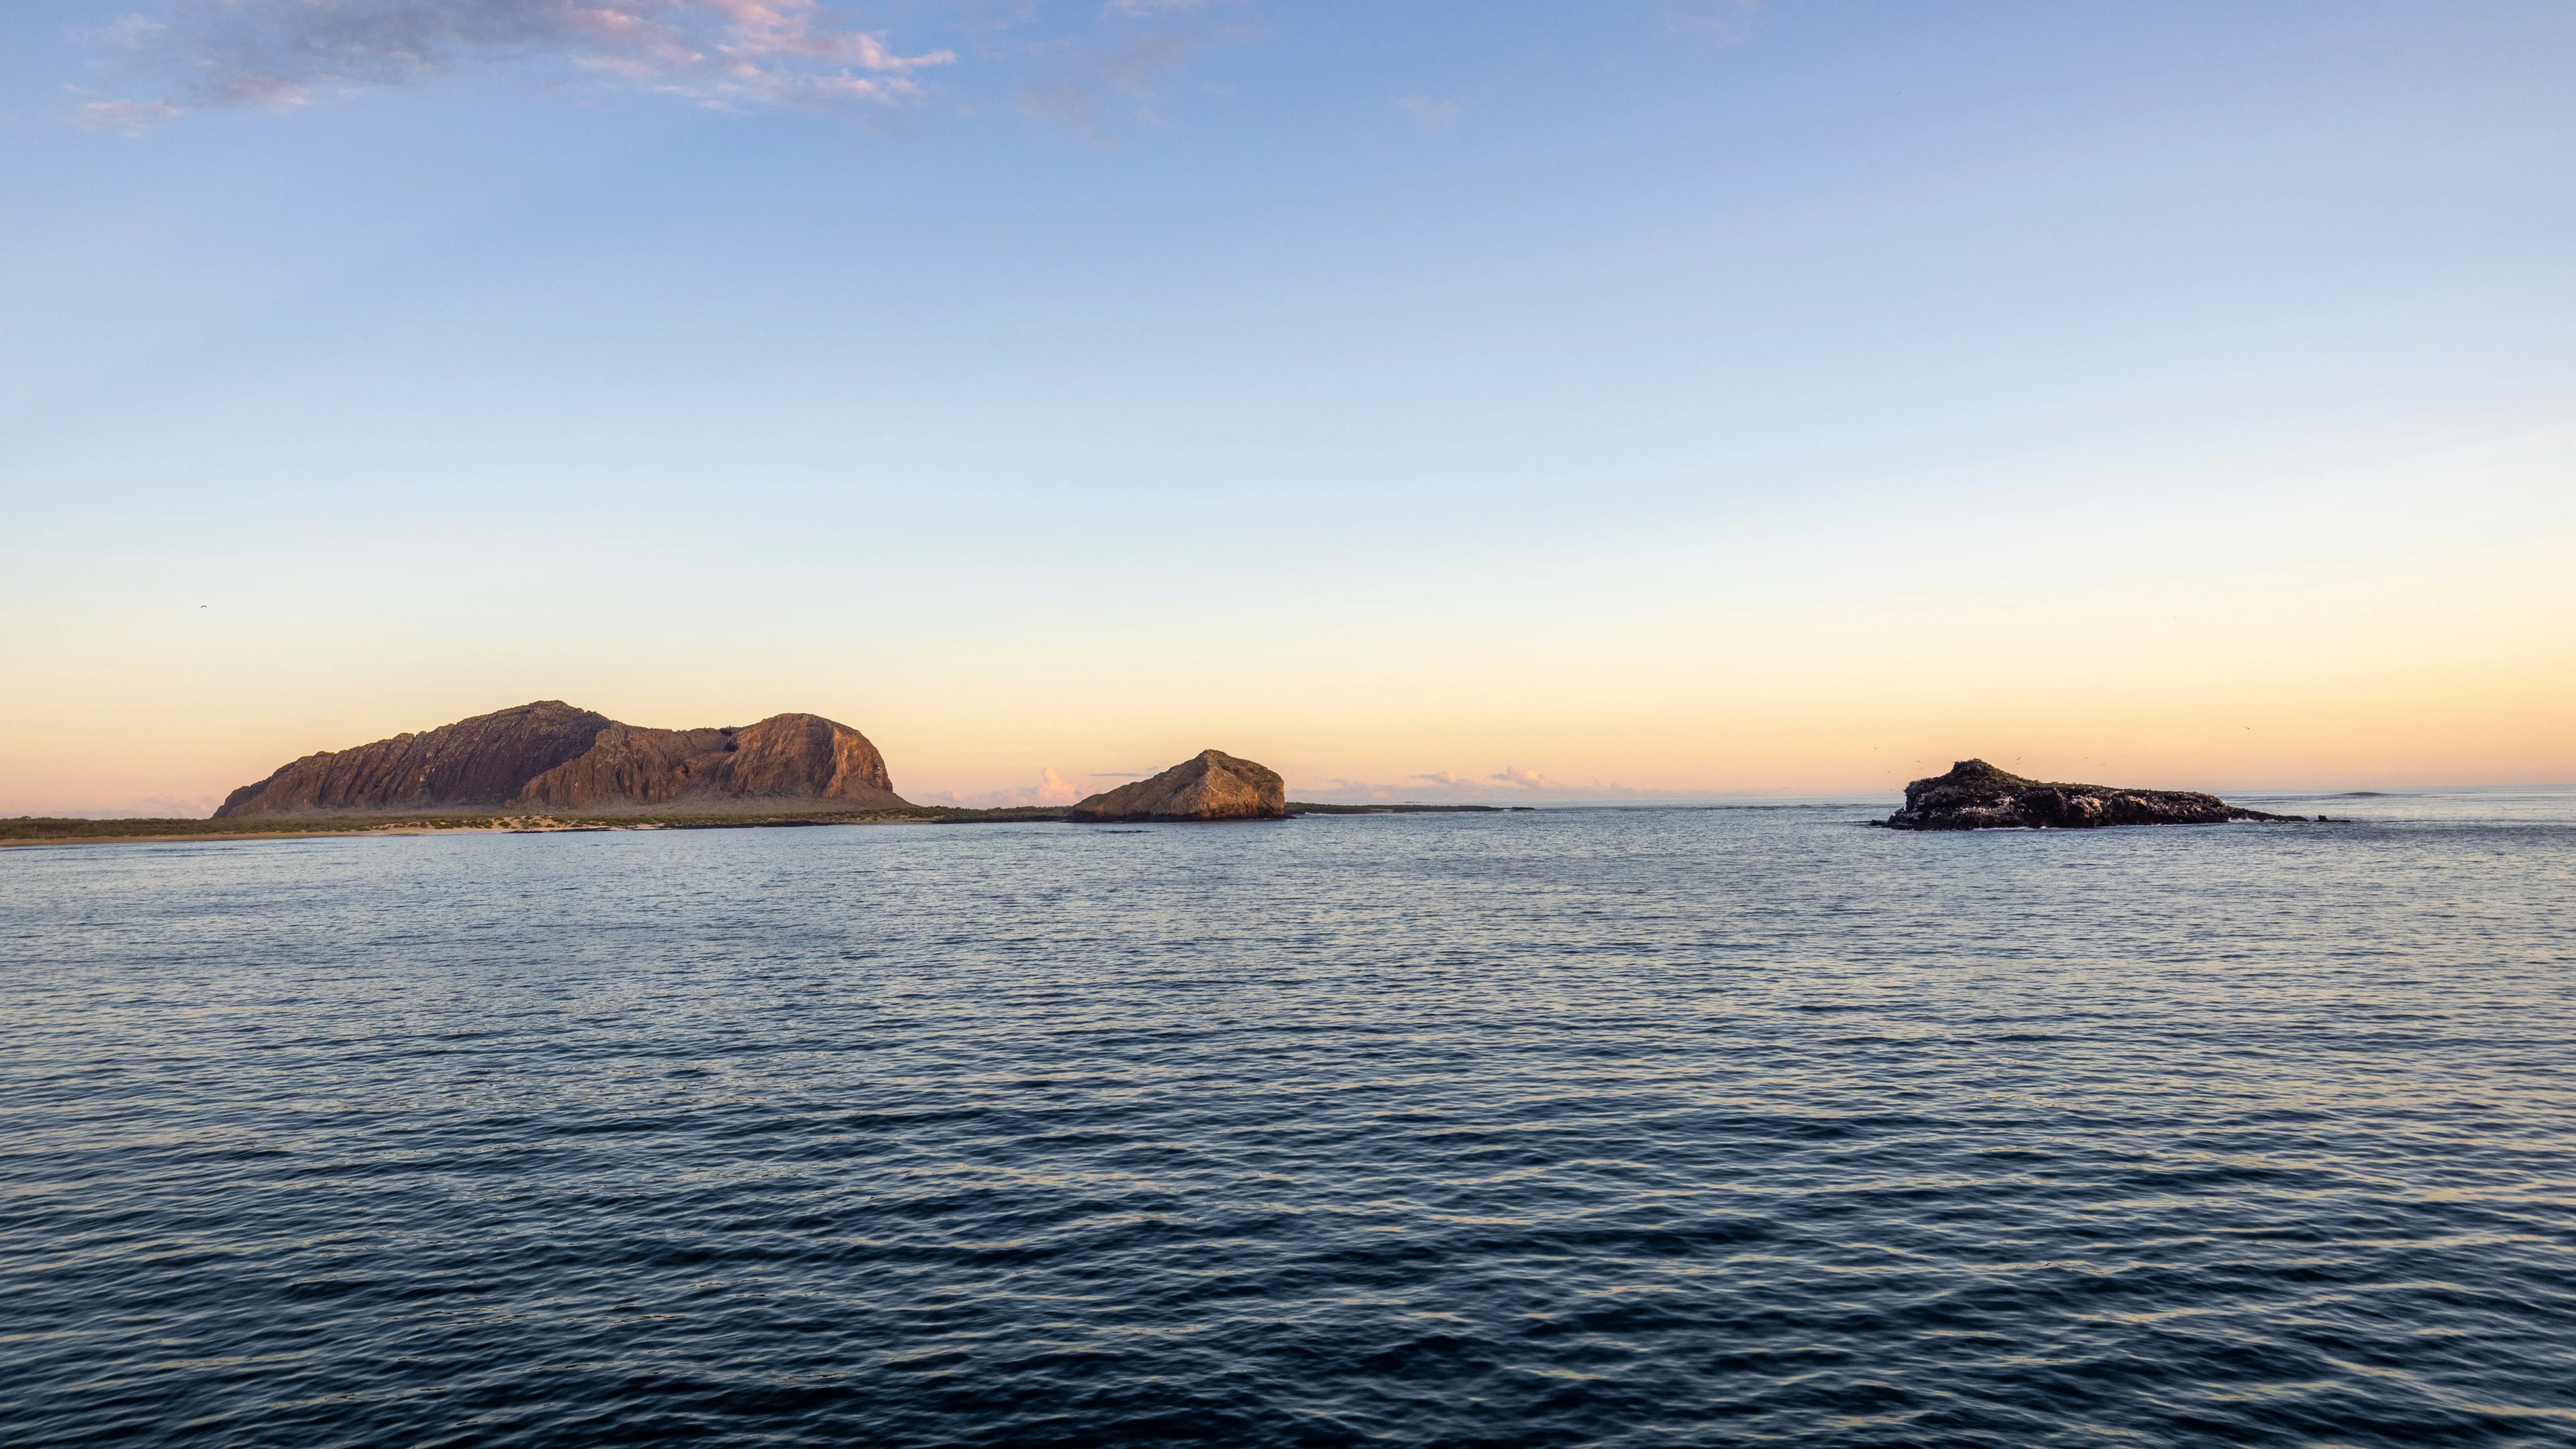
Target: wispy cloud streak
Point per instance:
(1729, 22)
(1427, 113)
(1130, 67)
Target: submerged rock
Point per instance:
(549, 754)
(1212, 785)
(1977, 796)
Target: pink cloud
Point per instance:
(728, 54)
(732, 55)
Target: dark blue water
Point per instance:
(1636, 1127)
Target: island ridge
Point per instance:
(551, 756)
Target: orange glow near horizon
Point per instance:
(1808, 706)
(2411, 626)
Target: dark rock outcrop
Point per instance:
(549, 755)
(1211, 785)
(1977, 796)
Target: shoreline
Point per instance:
(219, 836)
(30, 830)
(39, 830)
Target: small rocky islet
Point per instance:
(1976, 796)
(1211, 785)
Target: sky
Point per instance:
(1445, 401)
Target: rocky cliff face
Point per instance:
(1211, 786)
(549, 755)
(1977, 796)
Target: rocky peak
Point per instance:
(1211, 785)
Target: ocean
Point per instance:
(1632, 1127)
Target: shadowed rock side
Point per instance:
(1977, 796)
(787, 756)
(1213, 785)
(483, 759)
(551, 755)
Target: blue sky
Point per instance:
(1653, 395)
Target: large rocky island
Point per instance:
(1977, 796)
(549, 756)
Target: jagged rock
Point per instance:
(1212, 785)
(1977, 796)
(551, 755)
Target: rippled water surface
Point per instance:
(1618, 1127)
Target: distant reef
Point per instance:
(551, 756)
(1211, 785)
(1977, 796)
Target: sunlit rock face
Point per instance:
(1977, 796)
(550, 755)
(1211, 785)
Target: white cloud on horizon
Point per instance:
(1051, 789)
(149, 807)
(1447, 787)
